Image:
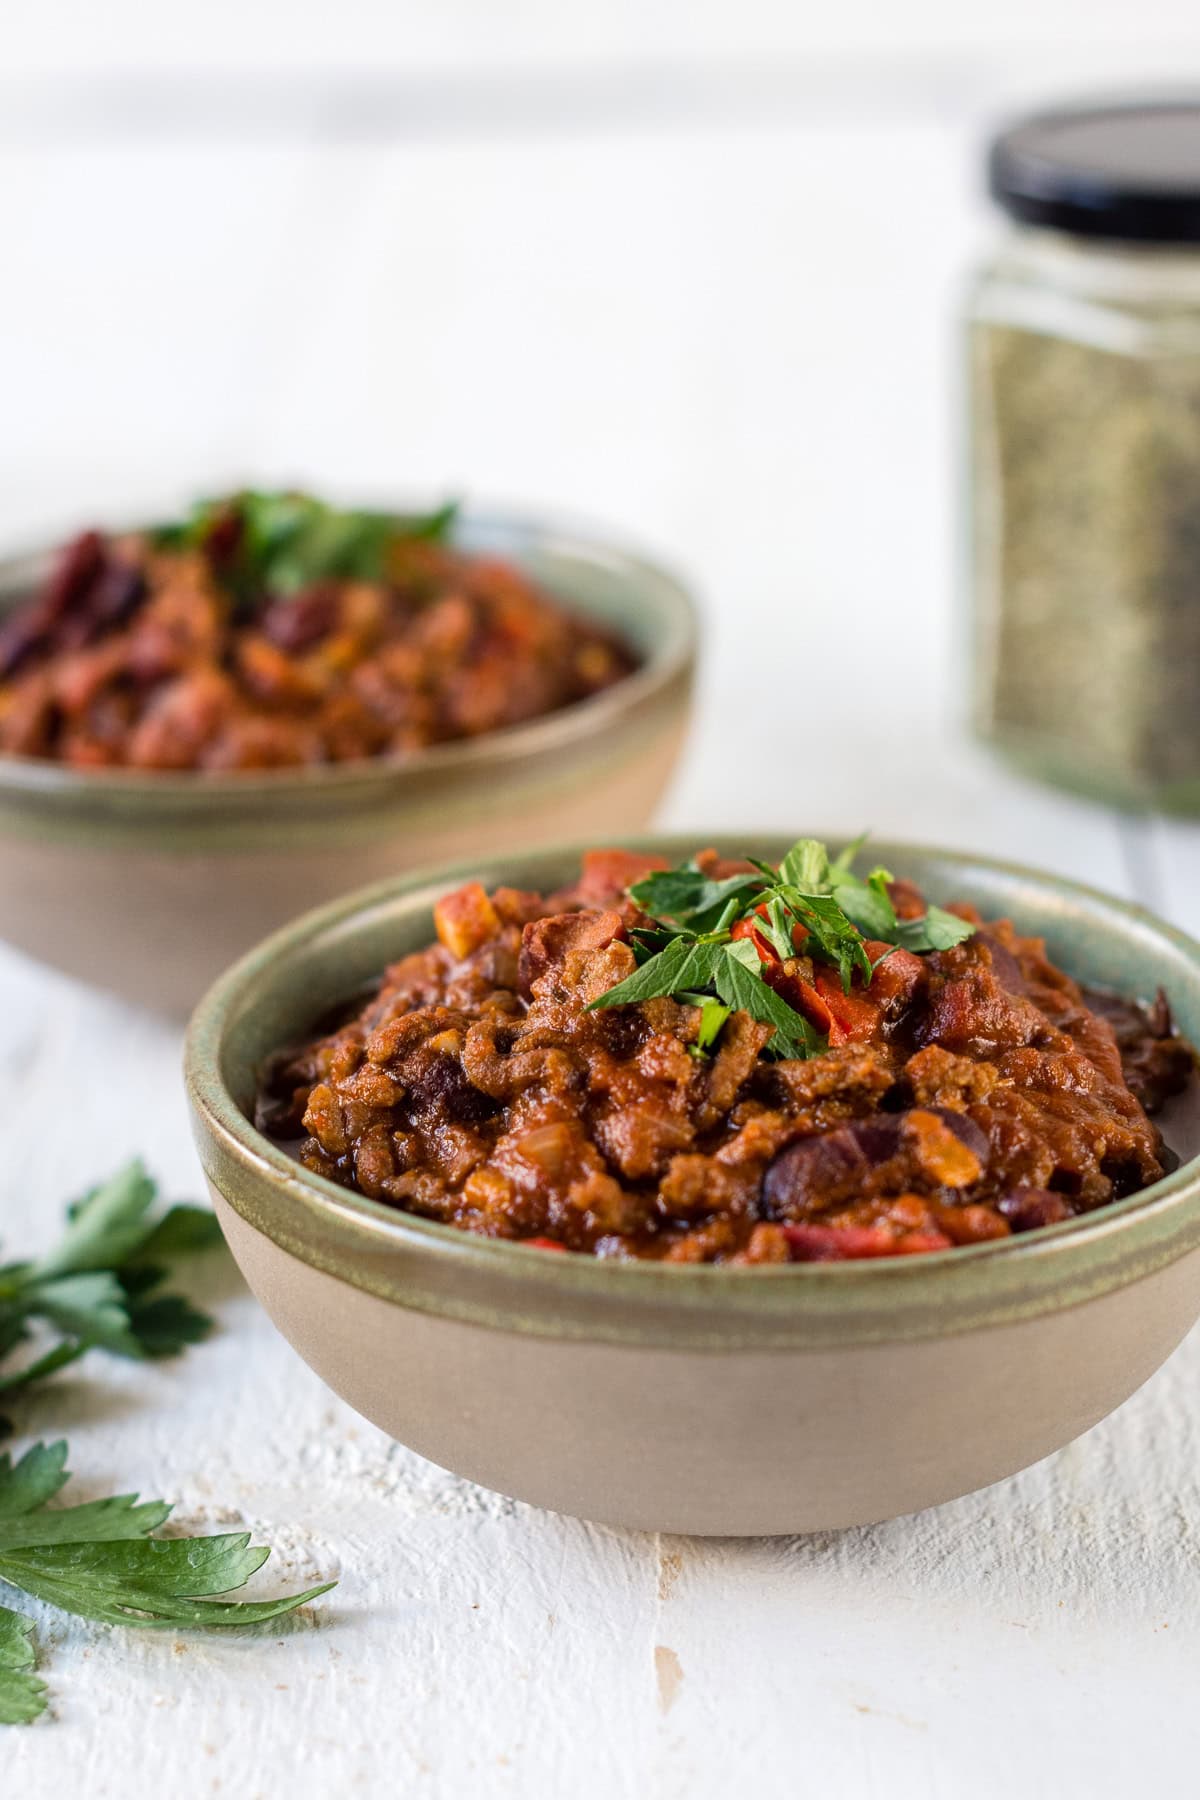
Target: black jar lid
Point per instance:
(1121, 169)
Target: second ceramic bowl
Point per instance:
(150, 883)
(699, 1399)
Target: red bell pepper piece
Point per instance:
(849, 1243)
(838, 1243)
(803, 997)
(855, 1016)
(745, 928)
(844, 1018)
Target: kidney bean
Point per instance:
(73, 574)
(829, 1164)
(116, 593)
(1027, 1209)
(20, 635)
(39, 621)
(964, 1128)
(804, 1172)
(300, 622)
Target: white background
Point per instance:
(690, 269)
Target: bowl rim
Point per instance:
(390, 1253)
(669, 596)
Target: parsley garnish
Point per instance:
(742, 988)
(268, 545)
(100, 1561)
(98, 1289)
(690, 951)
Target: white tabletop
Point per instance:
(738, 342)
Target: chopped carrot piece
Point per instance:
(465, 919)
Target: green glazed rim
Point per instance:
(293, 977)
(586, 568)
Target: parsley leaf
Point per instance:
(100, 1561)
(935, 930)
(22, 1694)
(98, 1287)
(806, 866)
(31, 1482)
(831, 935)
(165, 1324)
(150, 1581)
(868, 903)
(685, 963)
(744, 990)
(690, 897)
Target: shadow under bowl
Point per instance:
(700, 1399)
(150, 883)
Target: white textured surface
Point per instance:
(736, 341)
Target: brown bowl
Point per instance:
(700, 1399)
(150, 883)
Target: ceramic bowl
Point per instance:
(149, 884)
(699, 1399)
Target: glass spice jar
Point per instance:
(1084, 419)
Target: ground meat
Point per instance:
(977, 1093)
(134, 655)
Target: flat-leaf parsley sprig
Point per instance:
(100, 1561)
(99, 1287)
(702, 944)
